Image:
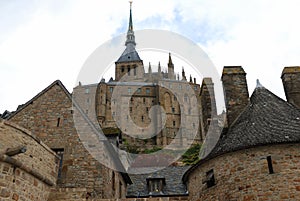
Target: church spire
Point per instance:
(130, 33)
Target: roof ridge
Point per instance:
(56, 82)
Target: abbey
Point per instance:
(124, 105)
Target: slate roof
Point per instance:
(266, 120)
(129, 54)
(173, 183)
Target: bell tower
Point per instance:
(129, 66)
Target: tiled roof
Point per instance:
(173, 183)
(266, 120)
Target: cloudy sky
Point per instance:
(42, 41)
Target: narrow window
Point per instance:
(142, 118)
(113, 181)
(134, 71)
(174, 123)
(210, 178)
(58, 122)
(111, 89)
(130, 109)
(60, 153)
(185, 98)
(128, 71)
(147, 109)
(194, 125)
(173, 109)
(270, 165)
(88, 100)
(147, 91)
(122, 69)
(144, 100)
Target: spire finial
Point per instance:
(130, 33)
(258, 84)
(170, 58)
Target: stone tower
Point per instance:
(291, 83)
(235, 91)
(129, 66)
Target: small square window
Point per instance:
(210, 179)
(87, 90)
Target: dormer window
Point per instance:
(156, 185)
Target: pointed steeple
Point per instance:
(170, 68)
(170, 59)
(159, 68)
(150, 69)
(183, 74)
(130, 54)
(130, 33)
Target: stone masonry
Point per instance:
(26, 176)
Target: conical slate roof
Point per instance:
(266, 120)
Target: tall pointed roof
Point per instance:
(129, 54)
(266, 120)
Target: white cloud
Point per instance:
(53, 39)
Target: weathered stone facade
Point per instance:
(244, 175)
(25, 176)
(49, 116)
(235, 91)
(291, 82)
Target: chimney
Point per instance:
(291, 82)
(235, 91)
(208, 104)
